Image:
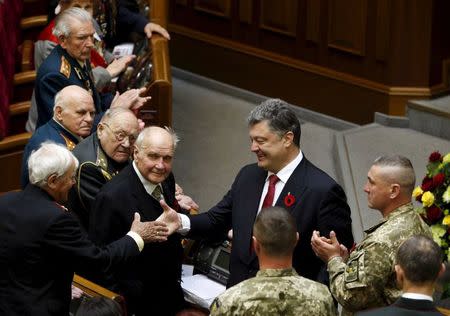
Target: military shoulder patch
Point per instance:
(354, 269)
(65, 67)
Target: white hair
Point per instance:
(63, 27)
(148, 130)
(49, 159)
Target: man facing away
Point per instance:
(366, 278)
(42, 245)
(276, 289)
(418, 265)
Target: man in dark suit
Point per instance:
(68, 64)
(315, 199)
(41, 244)
(154, 280)
(418, 265)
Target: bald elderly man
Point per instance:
(73, 116)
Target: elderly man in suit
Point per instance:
(282, 177)
(42, 244)
(73, 116)
(418, 265)
(152, 286)
(68, 64)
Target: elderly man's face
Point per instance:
(118, 135)
(86, 5)
(62, 185)
(78, 115)
(154, 159)
(269, 147)
(377, 188)
(80, 41)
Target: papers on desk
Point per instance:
(201, 290)
(123, 50)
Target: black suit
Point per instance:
(320, 204)
(41, 245)
(405, 307)
(154, 279)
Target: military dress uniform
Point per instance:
(368, 278)
(60, 70)
(275, 292)
(51, 131)
(95, 169)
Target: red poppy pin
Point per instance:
(289, 200)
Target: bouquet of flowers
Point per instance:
(434, 194)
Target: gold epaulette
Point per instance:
(65, 67)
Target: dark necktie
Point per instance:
(157, 193)
(268, 199)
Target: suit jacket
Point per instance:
(315, 199)
(49, 131)
(60, 70)
(405, 307)
(95, 169)
(155, 278)
(41, 245)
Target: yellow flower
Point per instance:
(446, 220)
(438, 231)
(446, 159)
(446, 195)
(427, 199)
(417, 192)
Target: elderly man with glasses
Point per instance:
(102, 155)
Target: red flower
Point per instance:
(419, 198)
(289, 200)
(438, 179)
(434, 213)
(435, 156)
(427, 184)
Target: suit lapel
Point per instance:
(291, 195)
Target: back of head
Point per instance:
(99, 306)
(398, 169)
(276, 231)
(420, 259)
(49, 159)
(279, 116)
(64, 20)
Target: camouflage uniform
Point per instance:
(368, 278)
(275, 292)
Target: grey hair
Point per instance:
(148, 130)
(63, 25)
(280, 117)
(401, 170)
(111, 113)
(49, 159)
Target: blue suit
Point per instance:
(50, 131)
(60, 70)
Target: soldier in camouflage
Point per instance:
(366, 278)
(277, 289)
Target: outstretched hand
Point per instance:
(325, 248)
(149, 231)
(170, 217)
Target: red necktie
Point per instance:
(268, 200)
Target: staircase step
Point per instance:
(430, 116)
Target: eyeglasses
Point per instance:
(120, 135)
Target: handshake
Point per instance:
(157, 231)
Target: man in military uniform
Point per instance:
(366, 278)
(277, 289)
(102, 155)
(73, 116)
(68, 64)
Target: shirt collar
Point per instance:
(78, 138)
(287, 171)
(149, 187)
(417, 296)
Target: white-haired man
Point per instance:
(42, 244)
